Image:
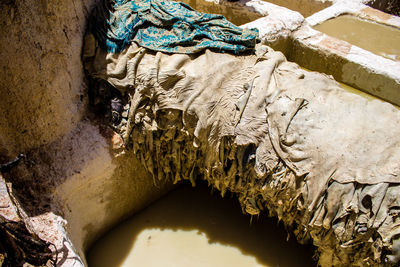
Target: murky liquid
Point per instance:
(353, 90)
(304, 7)
(192, 228)
(377, 38)
(236, 15)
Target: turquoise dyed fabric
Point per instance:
(166, 26)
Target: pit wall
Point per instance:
(289, 32)
(76, 188)
(41, 71)
(74, 185)
(348, 63)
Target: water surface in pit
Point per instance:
(377, 38)
(191, 227)
(304, 7)
(235, 14)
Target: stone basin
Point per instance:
(301, 41)
(193, 226)
(76, 183)
(363, 33)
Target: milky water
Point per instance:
(191, 227)
(377, 38)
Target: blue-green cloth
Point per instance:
(166, 26)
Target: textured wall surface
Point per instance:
(71, 184)
(42, 94)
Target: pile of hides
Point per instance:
(324, 161)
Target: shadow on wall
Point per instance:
(187, 215)
(388, 6)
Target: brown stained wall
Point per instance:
(388, 6)
(42, 95)
(70, 172)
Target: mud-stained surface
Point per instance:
(304, 7)
(377, 38)
(192, 227)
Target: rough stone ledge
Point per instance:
(76, 188)
(277, 25)
(288, 32)
(48, 226)
(355, 66)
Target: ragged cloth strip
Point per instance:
(324, 161)
(19, 244)
(166, 26)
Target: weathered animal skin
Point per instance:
(292, 142)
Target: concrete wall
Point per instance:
(72, 185)
(42, 89)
